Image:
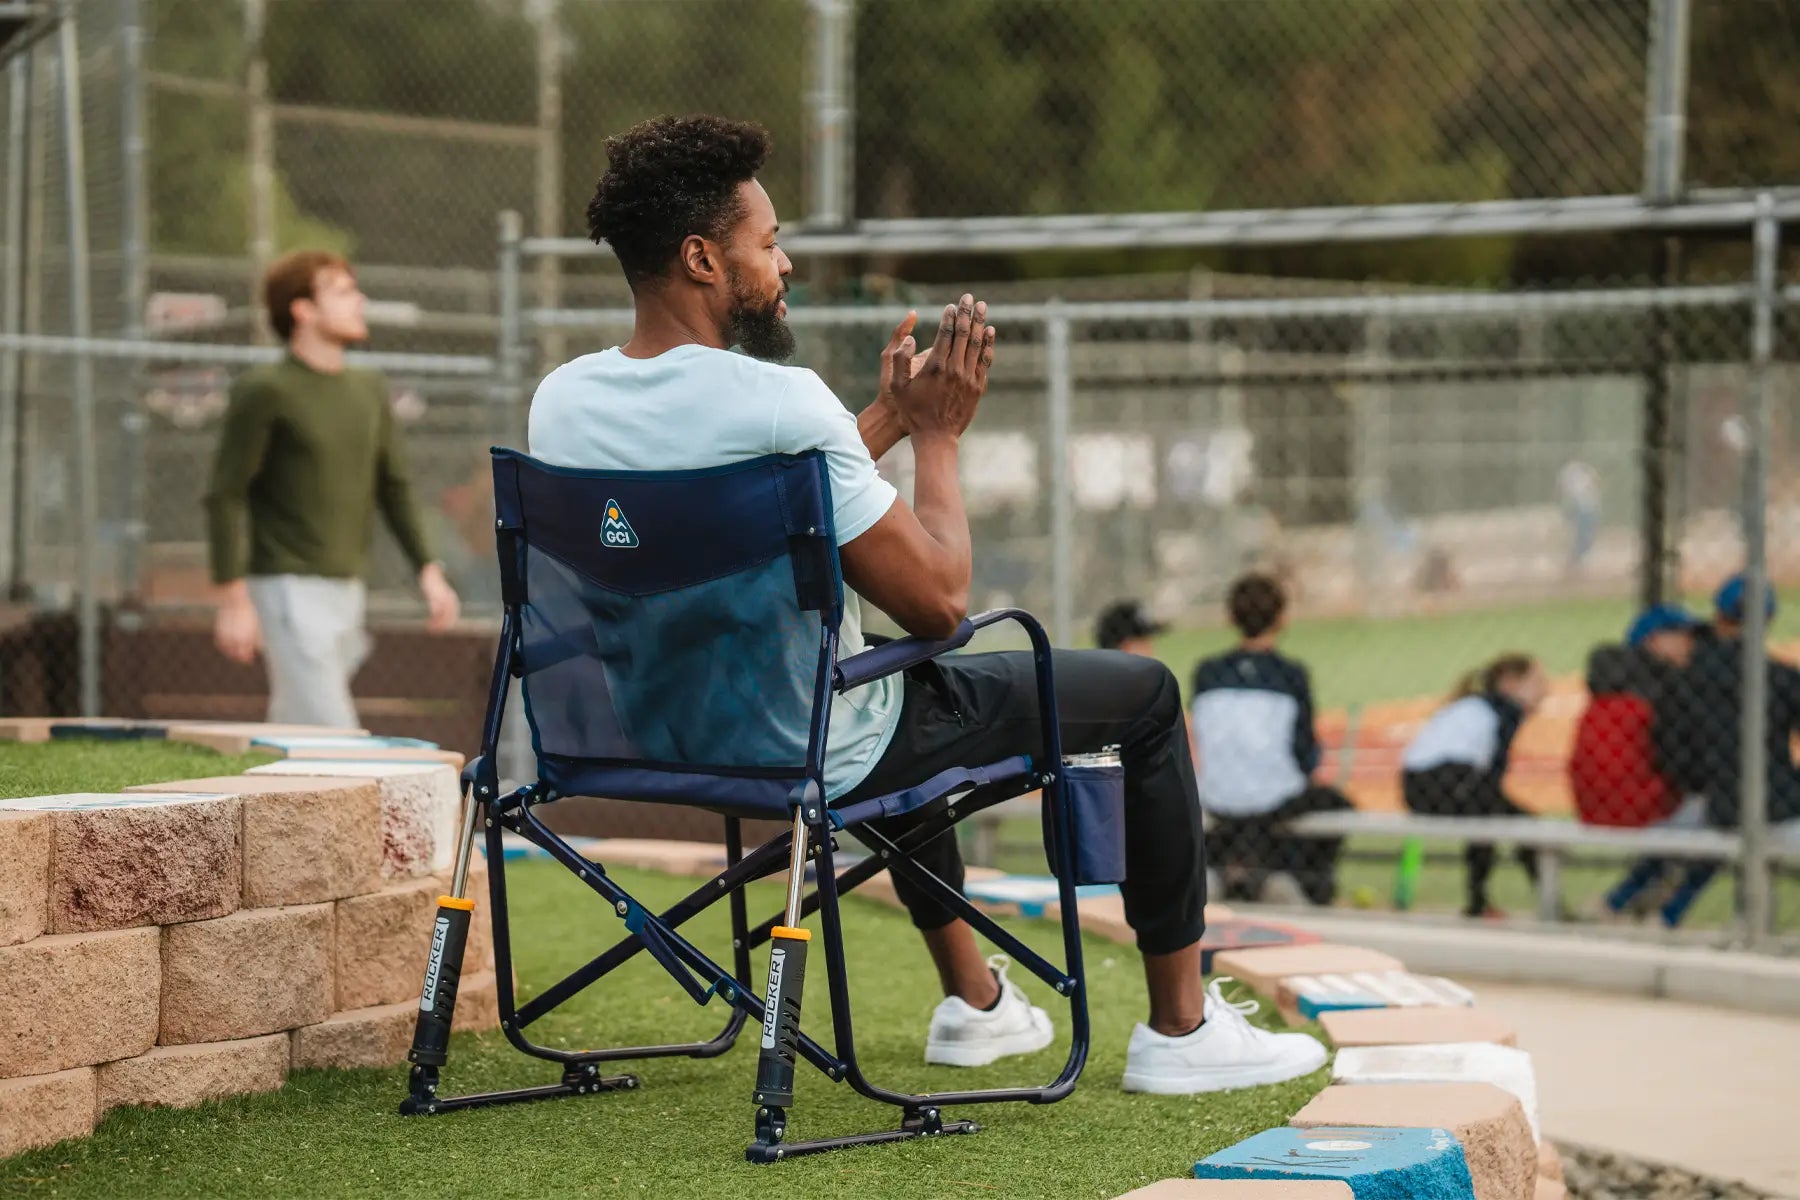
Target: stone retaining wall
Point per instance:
(202, 938)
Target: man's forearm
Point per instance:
(401, 511)
(880, 428)
(225, 538)
(938, 505)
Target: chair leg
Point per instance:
(740, 915)
(774, 1082)
(443, 971)
(437, 1007)
(781, 1000)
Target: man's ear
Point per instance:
(699, 259)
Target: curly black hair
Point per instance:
(670, 177)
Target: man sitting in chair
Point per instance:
(696, 236)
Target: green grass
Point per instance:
(1357, 660)
(683, 1133)
(93, 765)
(1361, 660)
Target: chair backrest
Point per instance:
(675, 630)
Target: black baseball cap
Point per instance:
(1122, 620)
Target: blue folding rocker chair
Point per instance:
(675, 635)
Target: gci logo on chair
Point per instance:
(615, 530)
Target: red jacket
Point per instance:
(1613, 769)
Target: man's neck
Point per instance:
(661, 327)
(321, 354)
(1258, 645)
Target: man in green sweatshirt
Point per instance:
(309, 452)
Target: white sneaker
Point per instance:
(1225, 1052)
(964, 1036)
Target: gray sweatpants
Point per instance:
(313, 643)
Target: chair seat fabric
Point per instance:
(764, 796)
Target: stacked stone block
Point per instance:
(199, 939)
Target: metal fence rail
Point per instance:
(1254, 227)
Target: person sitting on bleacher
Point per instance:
(1614, 770)
(1699, 735)
(1256, 752)
(1124, 625)
(1455, 765)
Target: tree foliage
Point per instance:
(998, 107)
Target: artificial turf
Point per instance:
(68, 765)
(335, 1133)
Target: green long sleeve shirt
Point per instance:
(306, 458)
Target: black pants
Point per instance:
(1461, 790)
(979, 708)
(1258, 846)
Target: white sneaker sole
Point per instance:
(986, 1050)
(1189, 1083)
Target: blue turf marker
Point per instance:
(109, 730)
(1032, 893)
(1339, 992)
(347, 745)
(1378, 1164)
(1311, 1008)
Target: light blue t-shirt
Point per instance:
(694, 407)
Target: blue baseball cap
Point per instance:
(1730, 601)
(1659, 618)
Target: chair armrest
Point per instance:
(897, 655)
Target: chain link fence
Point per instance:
(1444, 490)
(1435, 473)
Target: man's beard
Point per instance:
(757, 327)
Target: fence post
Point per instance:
(134, 199)
(1753, 772)
(1665, 417)
(1370, 437)
(509, 348)
(134, 252)
(1059, 373)
(828, 102)
(12, 312)
(549, 199)
(260, 151)
(87, 480)
(515, 756)
(1665, 101)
